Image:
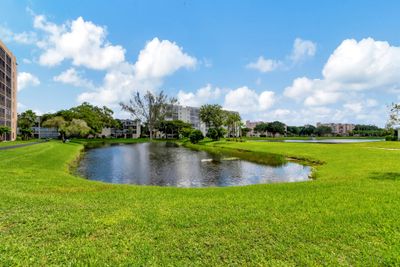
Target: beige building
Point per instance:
(8, 91)
(339, 128)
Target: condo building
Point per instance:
(189, 115)
(8, 91)
(339, 128)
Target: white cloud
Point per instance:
(26, 79)
(352, 67)
(202, 96)
(246, 100)
(264, 65)
(23, 38)
(158, 59)
(364, 65)
(6, 34)
(20, 107)
(161, 58)
(302, 49)
(26, 61)
(281, 112)
(73, 77)
(371, 103)
(81, 41)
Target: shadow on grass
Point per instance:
(393, 176)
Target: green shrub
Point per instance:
(195, 136)
(215, 133)
(391, 138)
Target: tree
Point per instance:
(394, 115)
(276, 127)
(232, 122)
(307, 130)
(57, 122)
(261, 128)
(149, 108)
(323, 130)
(174, 127)
(293, 130)
(215, 133)
(245, 130)
(212, 115)
(4, 130)
(96, 118)
(26, 120)
(195, 136)
(76, 128)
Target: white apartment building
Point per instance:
(189, 115)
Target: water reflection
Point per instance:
(164, 165)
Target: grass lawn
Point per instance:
(13, 143)
(348, 216)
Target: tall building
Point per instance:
(8, 91)
(189, 115)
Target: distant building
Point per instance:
(129, 129)
(251, 125)
(189, 115)
(8, 91)
(339, 128)
(45, 133)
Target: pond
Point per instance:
(162, 164)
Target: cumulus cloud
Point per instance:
(81, 41)
(246, 100)
(161, 58)
(354, 66)
(302, 49)
(157, 60)
(73, 77)
(26, 79)
(264, 65)
(202, 96)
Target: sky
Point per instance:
(299, 62)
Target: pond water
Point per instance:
(169, 165)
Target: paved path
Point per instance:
(20, 145)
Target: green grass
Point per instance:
(13, 143)
(308, 137)
(349, 215)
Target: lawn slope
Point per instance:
(348, 215)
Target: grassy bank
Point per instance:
(348, 216)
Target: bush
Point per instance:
(263, 135)
(195, 136)
(185, 132)
(390, 138)
(213, 134)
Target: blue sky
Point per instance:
(295, 61)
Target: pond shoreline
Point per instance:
(218, 155)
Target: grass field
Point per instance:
(12, 143)
(349, 215)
